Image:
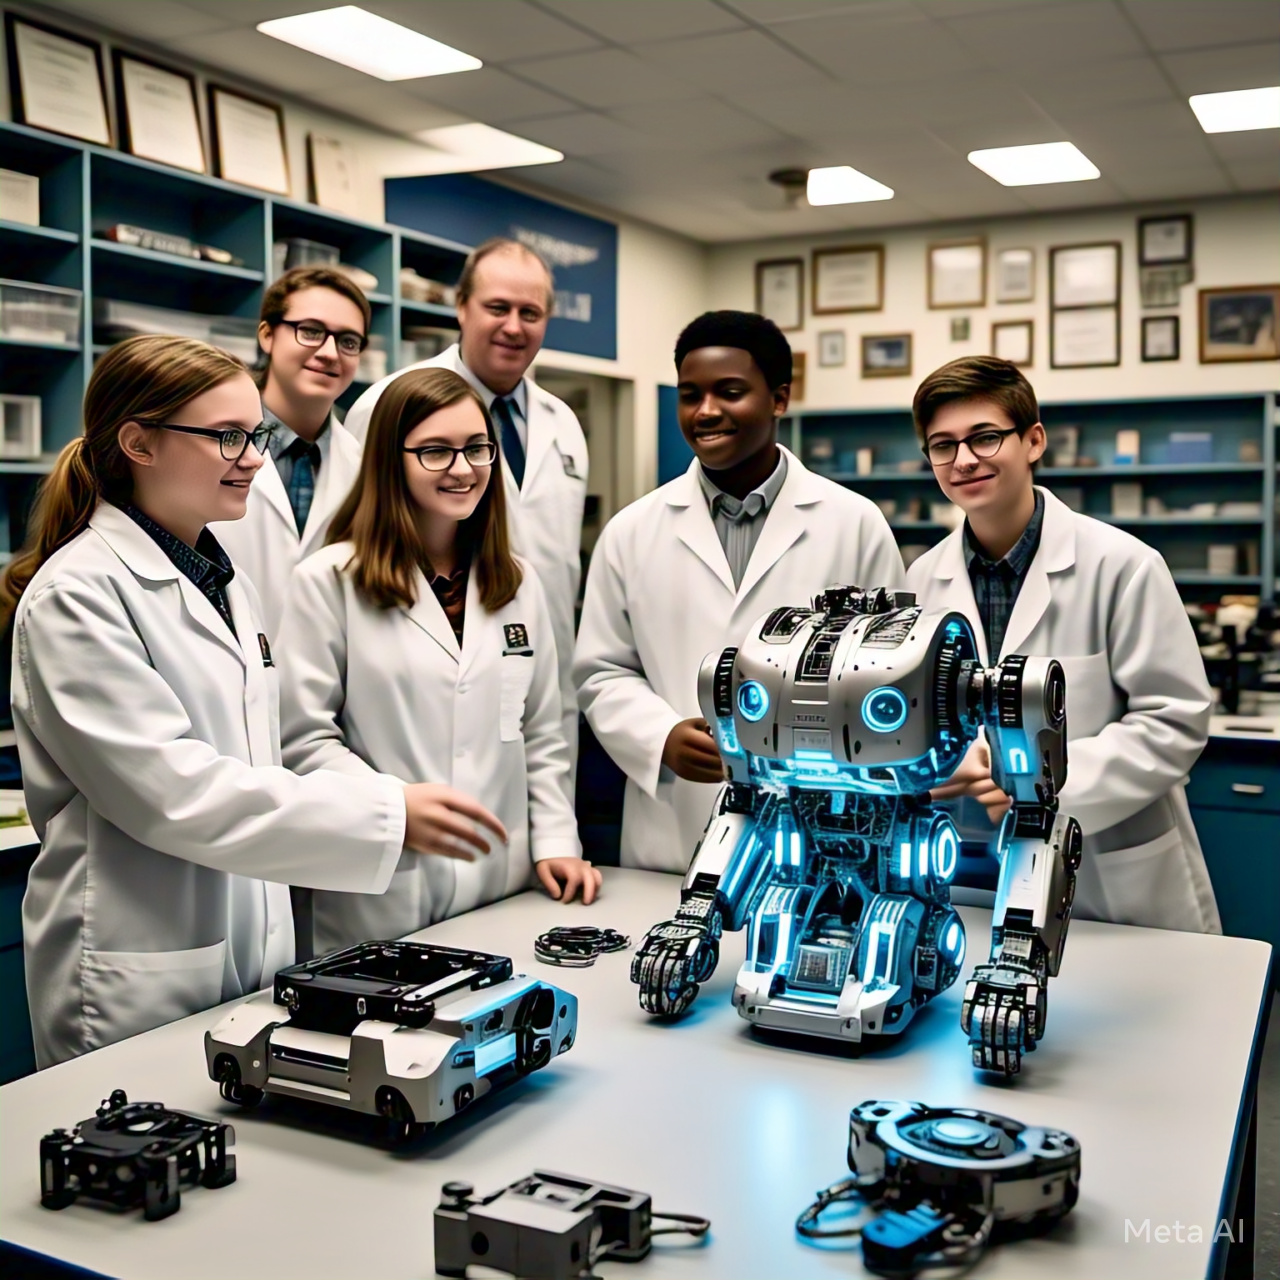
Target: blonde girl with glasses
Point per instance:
(417, 645)
(146, 710)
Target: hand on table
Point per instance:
(973, 778)
(442, 820)
(691, 753)
(574, 874)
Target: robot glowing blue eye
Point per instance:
(953, 943)
(884, 710)
(753, 701)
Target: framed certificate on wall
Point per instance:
(158, 115)
(248, 140)
(56, 80)
(780, 291)
(848, 278)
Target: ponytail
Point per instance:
(145, 379)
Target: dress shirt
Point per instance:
(287, 448)
(996, 583)
(739, 522)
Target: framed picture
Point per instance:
(958, 273)
(248, 140)
(1015, 275)
(331, 174)
(961, 327)
(848, 278)
(159, 119)
(1165, 240)
(1162, 286)
(886, 355)
(56, 80)
(1085, 275)
(780, 291)
(1014, 340)
(1239, 324)
(831, 353)
(1084, 337)
(799, 361)
(1160, 338)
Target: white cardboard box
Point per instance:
(20, 197)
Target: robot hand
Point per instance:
(676, 956)
(1003, 1014)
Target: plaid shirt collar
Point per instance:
(1018, 559)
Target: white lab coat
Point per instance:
(265, 545)
(150, 754)
(660, 597)
(364, 689)
(1105, 605)
(545, 513)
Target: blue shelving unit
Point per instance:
(829, 440)
(85, 190)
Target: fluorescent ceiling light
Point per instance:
(842, 184)
(371, 44)
(466, 148)
(1035, 165)
(1239, 110)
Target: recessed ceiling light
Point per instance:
(1035, 165)
(842, 184)
(359, 39)
(466, 148)
(1239, 110)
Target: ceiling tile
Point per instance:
(960, 8)
(652, 20)
(1113, 82)
(379, 103)
(773, 12)
(491, 30)
(1177, 182)
(718, 124)
(1250, 145)
(605, 78)
(854, 48)
(1055, 33)
(739, 60)
(248, 12)
(1196, 24)
(489, 95)
(1099, 193)
(278, 67)
(1255, 175)
(142, 18)
(584, 133)
(1240, 66)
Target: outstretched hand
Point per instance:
(691, 753)
(574, 874)
(442, 820)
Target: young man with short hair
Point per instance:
(686, 569)
(1037, 578)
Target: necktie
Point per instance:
(302, 480)
(512, 449)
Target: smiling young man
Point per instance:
(1035, 577)
(685, 570)
(504, 301)
(314, 324)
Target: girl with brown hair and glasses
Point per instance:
(417, 645)
(145, 705)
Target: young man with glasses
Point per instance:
(1035, 577)
(314, 325)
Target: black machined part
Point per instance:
(783, 623)
(135, 1154)
(1009, 691)
(387, 981)
(577, 946)
(548, 1226)
(890, 631)
(739, 797)
(722, 685)
(820, 652)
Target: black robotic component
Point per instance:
(943, 1183)
(576, 947)
(131, 1154)
(549, 1226)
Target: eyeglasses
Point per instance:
(440, 457)
(982, 444)
(311, 333)
(233, 441)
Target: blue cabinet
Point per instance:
(1235, 800)
(17, 1057)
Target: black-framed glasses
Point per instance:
(232, 441)
(311, 333)
(439, 457)
(982, 444)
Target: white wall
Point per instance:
(1237, 242)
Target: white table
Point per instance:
(1147, 1059)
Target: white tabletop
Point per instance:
(1146, 1055)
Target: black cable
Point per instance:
(697, 1227)
(849, 1190)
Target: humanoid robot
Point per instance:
(833, 723)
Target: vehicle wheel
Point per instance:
(232, 1088)
(400, 1126)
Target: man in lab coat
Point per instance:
(504, 301)
(1037, 578)
(686, 569)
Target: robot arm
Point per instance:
(1022, 704)
(726, 876)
